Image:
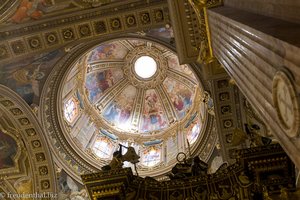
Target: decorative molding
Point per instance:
(43, 35)
(7, 8)
(69, 155)
(190, 25)
(28, 129)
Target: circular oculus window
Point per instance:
(145, 67)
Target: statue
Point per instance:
(188, 167)
(116, 162)
(118, 158)
(255, 138)
(199, 167)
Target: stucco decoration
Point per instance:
(157, 115)
(25, 156)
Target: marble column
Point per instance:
(262, 54)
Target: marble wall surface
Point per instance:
(283, 9)
(254, 49)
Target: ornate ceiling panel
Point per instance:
(95, 99)
(166, 95)
(46, 33)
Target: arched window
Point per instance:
(151, 156)
(103, 147)
(193, 132)
(71, 109)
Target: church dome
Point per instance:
(133, 92)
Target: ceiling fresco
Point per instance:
(27, 77)
(158, 113)
(107, 64)
(32, 10)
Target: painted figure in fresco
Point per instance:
(104, 51)
(153, 119)
(112, 112)
(125, 114)
(26, 77)
(97, 83)
(178, 102)
(8, 150)
(165, 32)
(187, 97)
(33, 9)
(28, 82)
(105, 80)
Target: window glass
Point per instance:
(103, 147)
(71, 109)
(193, 133)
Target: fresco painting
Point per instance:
(8, 150)
(108, 51)
(137, 42)
(36, 9)
(180, 95)
(119, 111)
(153, 116)
(151, 156)
(194, 131)
(163, 32)
(27, 77)
(174, 64)
(98, 82)
(70, 189)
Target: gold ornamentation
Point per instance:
(157, 78)
(40, 157)
(68, 34)
(115, 24)
(7, 103)
(84, 30)
(43, 170)
(205, 48)
(30, 132)
(34, 42)
(158, 15)
(228, 123)
(145, 18)
(3, 52)
(45, 184)
(51, 38)
(36, 144)
(24, 121)
(16, 111)
(100, 27)
(130, 21)
(18, 47)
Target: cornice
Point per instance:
(19, 41)
(32, 133)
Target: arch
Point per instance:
(19, 121)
